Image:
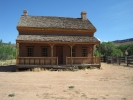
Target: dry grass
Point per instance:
(7, 62)
(112, 82)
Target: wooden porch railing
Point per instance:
(37, 61)
(82, 60)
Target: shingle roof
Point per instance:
(55, 22)
(57, 38)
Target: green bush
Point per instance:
(71, 87)
(11, 95)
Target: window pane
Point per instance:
(44, 51)
(73, 52)
(29, 51)
(84, 51)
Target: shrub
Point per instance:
(71, 87)
(84, 66)
(74, 68)
(11, 95)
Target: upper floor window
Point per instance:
(84, 51)
(45, 51)
(30, 51)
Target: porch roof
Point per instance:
(57, 38)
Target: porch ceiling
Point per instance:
(56, 38)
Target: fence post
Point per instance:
(103, 58)
(125, 59)
(119, 60)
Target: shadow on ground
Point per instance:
(8, 68)
(130, 66)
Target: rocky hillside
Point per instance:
(125, 41)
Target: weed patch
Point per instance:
(74, 68)
(11, 95)
(71, 87)
(123, 99)
(94, 98)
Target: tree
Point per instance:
(126, 47)
(117, 52)
(107, 48)
(7, 51)
(96, 53)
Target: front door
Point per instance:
(59, 54)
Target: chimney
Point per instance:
(25, 12)
(83, 15)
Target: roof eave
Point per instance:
(21, 28)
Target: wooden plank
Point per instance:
(90, 60)
(42, 42)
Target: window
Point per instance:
(84, 51)
(30, 51)
(73, 52)
(44, 51)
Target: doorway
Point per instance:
(59, 54)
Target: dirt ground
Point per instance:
(112, 82)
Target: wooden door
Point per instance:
(59, 54)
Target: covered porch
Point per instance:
(56, 54)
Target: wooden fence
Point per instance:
(119, 60)
(129, 60)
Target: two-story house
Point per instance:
(49, 41)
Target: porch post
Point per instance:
(51, 45)
(93, 46)
(71, 55)
(99, 55)
(71, 46)
(17, 53)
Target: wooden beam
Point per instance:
(71, 54)
(66, 60)
(16, 54)
(57, 61)
(99, 54)
(93, 50)
(51, 45)
(71, 46)
(48, 42)
(53, 30)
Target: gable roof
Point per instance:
(55, 22)
(57, 38)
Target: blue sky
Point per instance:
(112, 18)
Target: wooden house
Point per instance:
(49, 41)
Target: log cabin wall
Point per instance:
(37, 49)
(56, 32)
(66, 50)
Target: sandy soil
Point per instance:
(110, 83)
